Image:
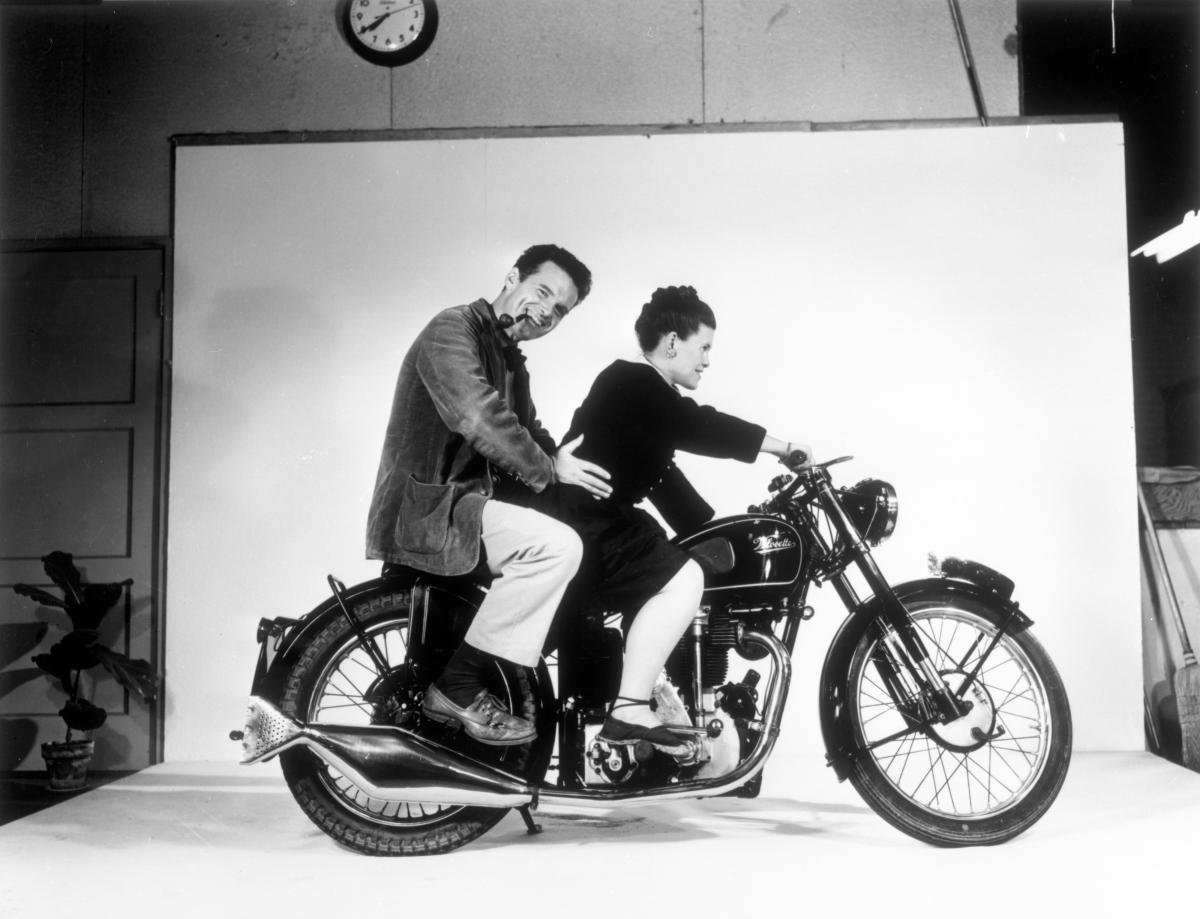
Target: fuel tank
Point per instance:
(751, 558)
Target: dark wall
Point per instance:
(1139, 61)
(91, 94)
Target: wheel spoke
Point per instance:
(946, 780)
(911, 743)
(974, 781)
(914, 731)
(341, 690)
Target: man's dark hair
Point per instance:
(535, 256)
(672, 309)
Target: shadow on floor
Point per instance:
(25, 793)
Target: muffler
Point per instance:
(388, 763)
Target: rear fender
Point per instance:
(840, 749)
(282, 640)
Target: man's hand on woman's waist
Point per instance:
(571, 470)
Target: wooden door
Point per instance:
(81, 396)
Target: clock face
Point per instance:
(390, 31)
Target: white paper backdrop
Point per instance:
(950, 306)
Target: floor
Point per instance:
(218, 839)
(25, 793)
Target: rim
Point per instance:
(338, 699)
(936, 770)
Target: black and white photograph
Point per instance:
(692, 455)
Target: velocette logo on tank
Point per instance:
(775, 541)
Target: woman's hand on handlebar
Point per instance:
(799, 456)
(792, 454)
(571, 470)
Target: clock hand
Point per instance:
(378, 21)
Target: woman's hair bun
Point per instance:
(677, 309)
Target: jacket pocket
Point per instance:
(425, 513)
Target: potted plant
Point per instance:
(77, 652)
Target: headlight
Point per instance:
(873, 507)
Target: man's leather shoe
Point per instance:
(485, 719)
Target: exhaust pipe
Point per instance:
(393, 764)
(388, 763)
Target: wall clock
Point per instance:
(390, 32)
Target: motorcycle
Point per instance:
(936, 702)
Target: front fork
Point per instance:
(922, 699)
(905, 663)
(903, 643)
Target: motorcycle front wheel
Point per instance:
(986, 777)
(327, 684)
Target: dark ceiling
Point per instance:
(1138, 61)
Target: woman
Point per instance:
(632, 422)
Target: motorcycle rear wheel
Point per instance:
(326, 684)
(983, 780)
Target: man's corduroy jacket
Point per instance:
(457, 411)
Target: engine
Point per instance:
(751, 563)
(712, 754)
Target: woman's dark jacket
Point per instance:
(633, 421)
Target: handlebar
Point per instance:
(798, 461)
(795, 460)
(786, 486)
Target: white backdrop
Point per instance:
(950, 306)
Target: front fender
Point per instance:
(836, 729)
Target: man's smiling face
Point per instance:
(538, 302)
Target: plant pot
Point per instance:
(67, 764)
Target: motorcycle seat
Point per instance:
(407, 576)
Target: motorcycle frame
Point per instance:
(282, 639)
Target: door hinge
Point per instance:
(162, 305)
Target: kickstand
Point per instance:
(531, 828)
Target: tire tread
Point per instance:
(300, 766)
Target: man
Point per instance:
(462, 427)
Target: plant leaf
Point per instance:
(82, 715)
(78, 649)
(97, 600)
(36, 593)
(135, 675)
(56, 666)
(60, 568)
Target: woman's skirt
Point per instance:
(627, 557)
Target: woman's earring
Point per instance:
(670, 352)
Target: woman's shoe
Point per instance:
(616, 732)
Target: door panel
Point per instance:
(77, 341)
(81, 344)
(66, 482)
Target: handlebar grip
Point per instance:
(796, 459)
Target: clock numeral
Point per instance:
(389, 31)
